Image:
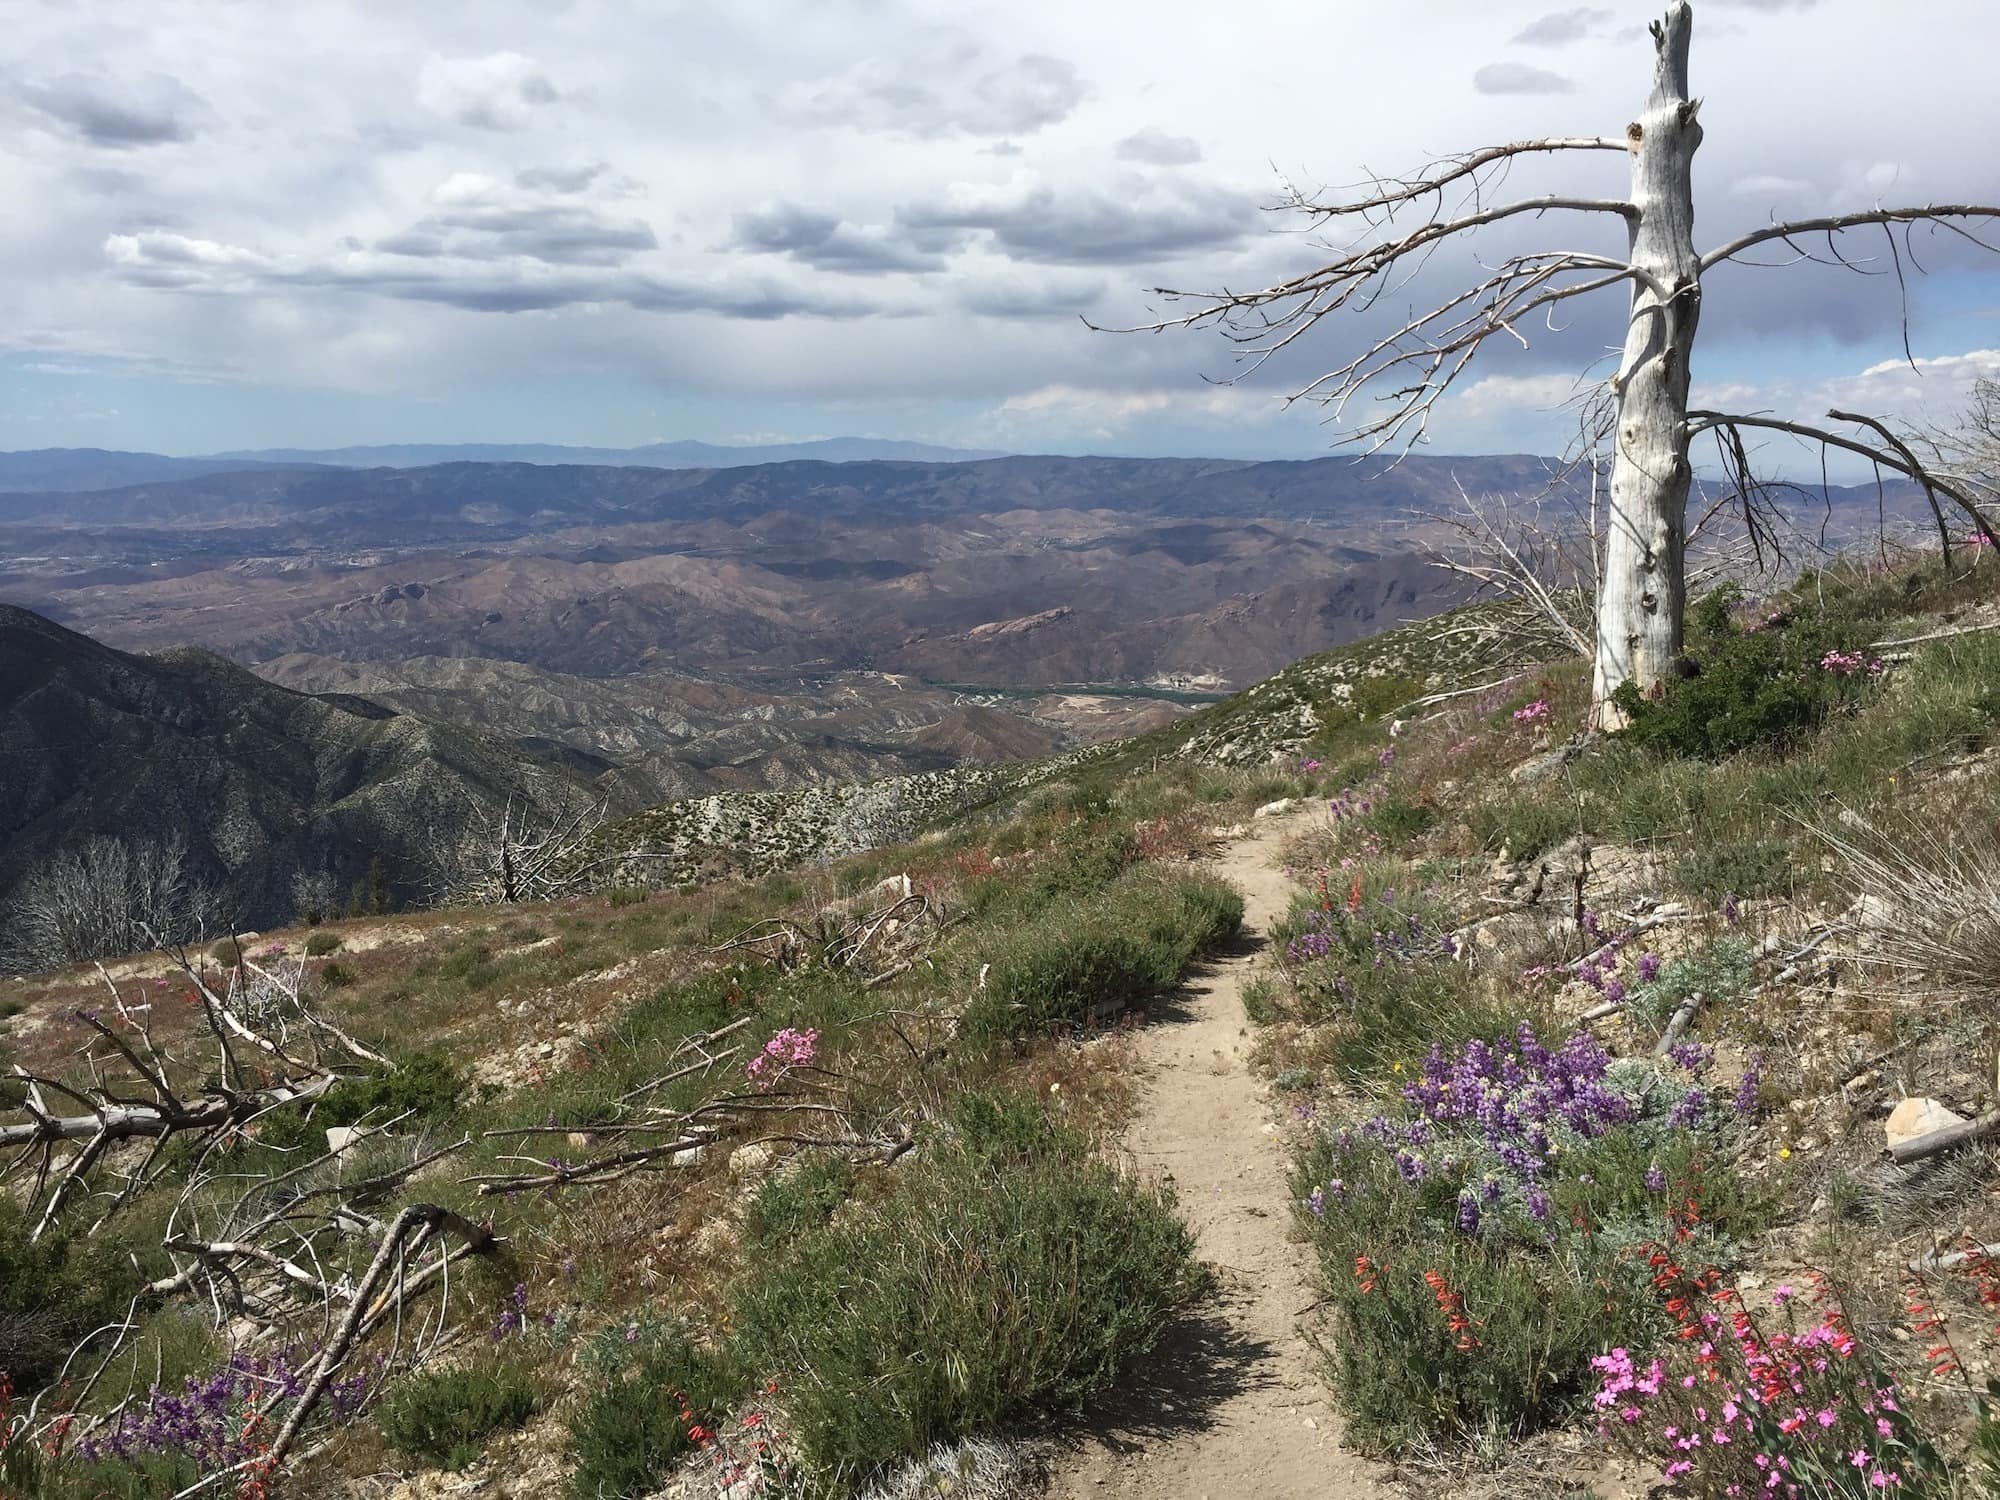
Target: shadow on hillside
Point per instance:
(1199, 1364)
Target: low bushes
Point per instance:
(1377, 966)
(444, 1416)
(655, 1393)
(1771, 684)
(1134, 940)
(1478, 1240)
(52, 1292)
(977, 1290)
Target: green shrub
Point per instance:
(1720, 973)
(1478, 1254)
(1084, 860)
(319, 944)
(1133, 942)
(1524, 825)
(471, 964)
(52, 1292)
(444, 1416)
(1749, 688)
(626, 895)
(1396, 1013)
(628, 1430)
(799, 1199)
(1344, 726)
(707, 1001)
(972, 1295)
(1751, 867)
(1399, 819)
(424, 1086)
(1000, 1126)
(336, 976)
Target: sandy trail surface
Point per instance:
(1231, 1406)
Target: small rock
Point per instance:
(340, 1137)
(1273, 809)
(579, 1140)
(546, 1049)
(689, 1156)
(1918, 1117)
(752, 1158)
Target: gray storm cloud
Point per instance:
(893, 199)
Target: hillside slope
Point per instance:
(258, 780)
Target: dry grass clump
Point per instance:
(1930, 901)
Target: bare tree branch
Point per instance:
(1938, 213)
(1898, 458)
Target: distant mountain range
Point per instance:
(70, 470)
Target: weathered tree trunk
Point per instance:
(1643, 591)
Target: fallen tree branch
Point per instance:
(1966, 1133)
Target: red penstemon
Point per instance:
(1452, 1305)
(1366, 1272)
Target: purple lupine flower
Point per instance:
(1649, 967)
(1691, 1057)
(1656, 1180)
(1316, 1201)
(1687, 1114)
(1747, 1089)
(1468, 1213)
(1731, 913)
(1538, 1204)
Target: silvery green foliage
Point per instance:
(975, 1469)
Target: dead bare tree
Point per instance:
(106, 897)
(286, 1252)
(525, 851)
(1519, 552)
(1399, 221)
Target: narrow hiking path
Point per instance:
(1231, 1407)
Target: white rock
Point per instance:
(340, 1137)
(1918, 1117)
(895, 885)
(689, 1156)
(1272, 809)
(752, 1158)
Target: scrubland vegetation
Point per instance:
(882, 1220)
(801, 1185)
(1590, 1045)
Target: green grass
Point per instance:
(444, 1417)
(1132, 941)
(628, 1431)
(978, 1291)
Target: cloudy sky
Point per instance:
(238, 224)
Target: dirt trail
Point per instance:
(1231, 1407)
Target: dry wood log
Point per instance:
(1951, 1137)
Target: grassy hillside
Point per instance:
(1594, 1042)
(799, 1172)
